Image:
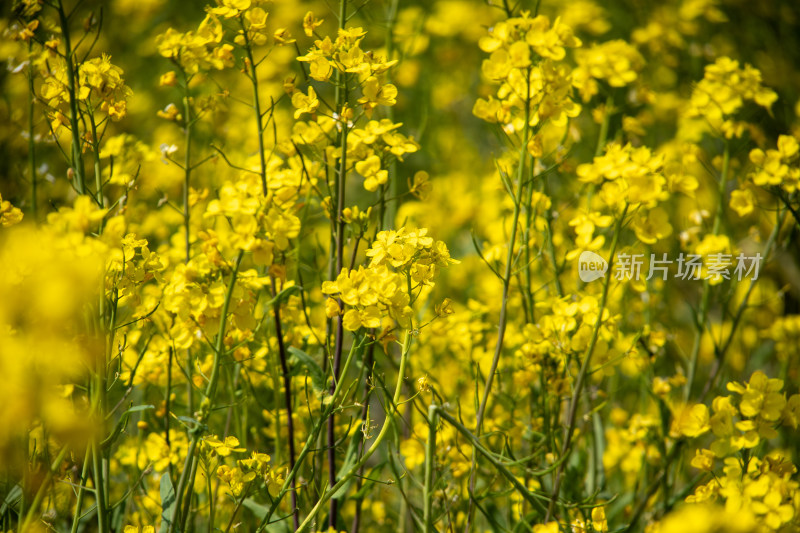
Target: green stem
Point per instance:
(551, 248)
(31, 141)
(581, 379)
(341, 100)
(530, 219)
(347, 475)
(700, 325)
(211, 500)
(287, 391)
(602, 137)
(211, 389)
(257, 104)
(531, 497)
(394, 183)
(98, 178)
(81, 492)
(187, 466)
(523, 155)
(430, 458)
(208, 406)
(720, 356)
(37, 500)
(77, 161)
(187, 162)
(187, 502)
(236, 509)
(99, 489)
(312, 438)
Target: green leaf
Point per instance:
(137, 408)
(304, 360)
(284, 295)
(350, 460)
(11, 500)
(260, 511)
(168, 501)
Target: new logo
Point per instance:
(591, 266)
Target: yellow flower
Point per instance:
(421, 186)
(742, 201)
(777, 167)
(692, 420)
(724, 89)
(761, 398)
(311, 23)
(703, 460)
(305, 103)
(375, 94)
(550, 527)
(599, 522)
(370, 168)
(223, 448)
(230, 8)
(617, 62)
(320, 68)
(9, 215)
(235, 478)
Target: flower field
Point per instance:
(400, 265)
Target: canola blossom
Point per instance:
(447, 265)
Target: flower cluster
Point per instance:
(527, 61)
(101, 87)
(615, 62)
(221, 291)
(778, 167)
(723, 91)
(199, 50)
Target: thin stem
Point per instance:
(287, 395)
(551, 247)
(188, 470)
(700, 325)
(581, 380)
(367, 365)
(99, 489)
(523, 151)
(37, 500)
(31, 141)
(531, 497)
(236, 509)
(77, 161)
(341, 100)
(346, 476)
(312, 438)
(722, 351)
(81, 492)
(218, 349)
(187, 466)
(211, 499)
(187, 162)
(257, 105)
(530, 219)
(394, 183)
(187, 502)
(430, 458)
(98, 178)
